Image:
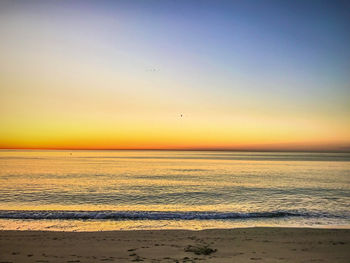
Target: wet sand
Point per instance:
(222, 245)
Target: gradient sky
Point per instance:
(118, 74)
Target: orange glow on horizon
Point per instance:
(72, 77)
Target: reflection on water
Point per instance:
(315, 186)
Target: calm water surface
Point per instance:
(112, 190)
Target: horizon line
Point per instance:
(182, 149)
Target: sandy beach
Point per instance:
(222, 245)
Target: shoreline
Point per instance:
(288, 227)
(253, 244)
(89, 225)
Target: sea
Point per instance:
(60, 190)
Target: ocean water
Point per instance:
(126, 190)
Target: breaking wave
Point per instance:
(149, 215)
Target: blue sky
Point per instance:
(238, 65)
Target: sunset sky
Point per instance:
(272, 75)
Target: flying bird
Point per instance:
(152, 70)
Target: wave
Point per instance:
(150, 215)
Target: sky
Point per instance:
(241, 75)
